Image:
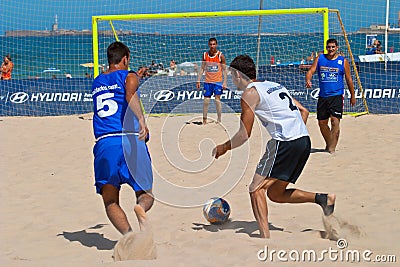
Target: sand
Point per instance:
(51, 215)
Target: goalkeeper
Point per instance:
(213, 63)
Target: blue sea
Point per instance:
(31, 55)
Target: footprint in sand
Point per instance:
(135, 246)
(336, 228)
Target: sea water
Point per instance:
(31, 55)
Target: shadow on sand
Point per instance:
(90, 239)
(246, 227)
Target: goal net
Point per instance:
(283, 44)
(51, 46)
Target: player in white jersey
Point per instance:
(288, 150)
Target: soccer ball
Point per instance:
(216, 210)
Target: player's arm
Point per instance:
(132, 97)
(224, 71)
(248, 102)
(349, 81)
(142, 72)
(4, 70)
(303, 111)
(201, 71)
(311, 72)
(7, 68)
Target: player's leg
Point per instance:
(335, 131)
(207, 93)
(279, 193)
(260, 184)
(336, 111)
(107, 158)
(323, 120)
(290, 160)
(291, 157)
(144, 203)
(218, 104)
(114, 212)
(259, 204)
(206, 103)
(139, 175)
(326, 133)
(218, 107)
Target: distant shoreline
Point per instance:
(40, 33)
(44, 33)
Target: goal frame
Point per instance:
(295, 11)
(271, 12)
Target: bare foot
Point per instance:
(331, 150)
(141, 216)
(265, 234)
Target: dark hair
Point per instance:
(116, 51)
(329, 41)
(245, 65)
(213, 39)
(8, 57)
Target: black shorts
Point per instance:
(330, 106)
(284, 160)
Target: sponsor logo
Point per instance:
(164, 95)
(378, 93)
(19, 97)
(296, 93)
(332, 76)
(315, 93)
(56, 97)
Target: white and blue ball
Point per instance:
(216, 210)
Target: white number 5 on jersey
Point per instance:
(105, 105)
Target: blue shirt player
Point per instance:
(331, 68)
(120, 153)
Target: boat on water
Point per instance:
(54, 73)
(380, 57)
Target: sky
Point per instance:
(76, 14)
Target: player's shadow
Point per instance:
(322, 234)
(195, 122)
(245, 227)
(90, 239)
(318, 150)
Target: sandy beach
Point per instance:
(51, 215)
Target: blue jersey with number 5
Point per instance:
(110, 105)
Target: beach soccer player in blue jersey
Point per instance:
(120, 153)
(286, 153)
(331, 68)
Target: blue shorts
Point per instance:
(212, 88)
(122, 160)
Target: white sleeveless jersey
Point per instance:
(277, 112)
